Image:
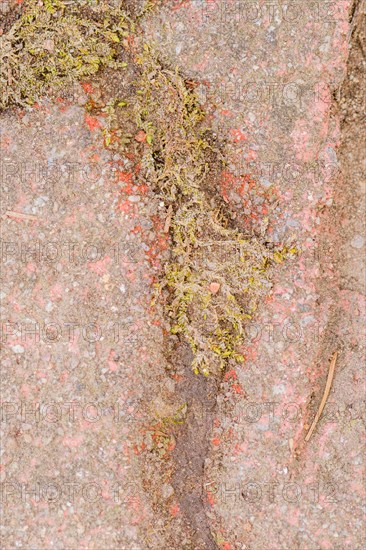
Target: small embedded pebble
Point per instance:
(357, 242)
(214, 288)
(18, 349)
(49, 45)
(140, 136)
(167, 490)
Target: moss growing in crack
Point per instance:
(216, 275)
(54, 43)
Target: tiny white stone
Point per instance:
(167, 491)
(358, 241)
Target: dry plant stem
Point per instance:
(325, 396)
(20, 215)
(168, 219)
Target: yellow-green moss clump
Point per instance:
(55, 43)
(216, 275)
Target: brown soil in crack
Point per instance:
(192, 446)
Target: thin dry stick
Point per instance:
(325, 396)
(168, 218)
(20, 215)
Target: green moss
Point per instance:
(179, 163)
(179, 417)
(54, 44)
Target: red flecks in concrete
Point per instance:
(56, 292)
(326, 544)
(142, 189)
(203, 64)
(21, 202)
(137, 168)
(125, 177)
(31, 267)
(137, 507)
(230, 374)
(171, 446)
(137, 229)
(95, 157)
(25, 390)
(87, 87)
(216, 441)
(174, 509)
(182, 4)
(100, 267)
(237, 135)
(240, 448)
(131, 274)
(242, 185)
(129, 155)
(72, 442)
(138, 450)
(5, 141)
(238, 389)
(73, 345)
(92, 122)
(127, 207)
(210, 498)
(65, 106)
(251, 155)
(63, 377)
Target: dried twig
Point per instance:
(20, 215)
(325, 396)
(168, 218)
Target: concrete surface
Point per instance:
(87, 460)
